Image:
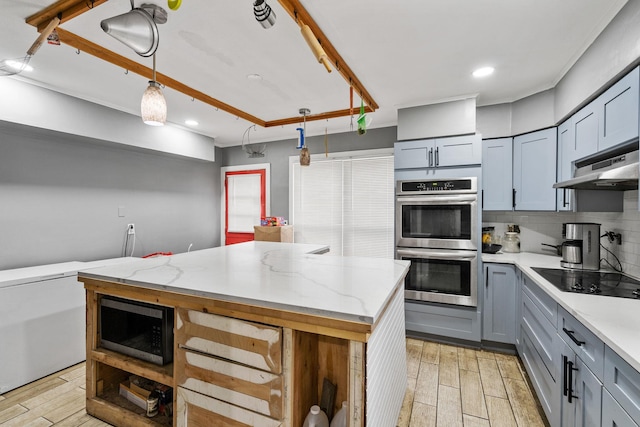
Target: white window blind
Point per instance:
(243, 193)
(346, 203)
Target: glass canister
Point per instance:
(511, 242)
(487, 235)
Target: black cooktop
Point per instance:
(591, 282)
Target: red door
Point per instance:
(245, 203)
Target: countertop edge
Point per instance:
(550, 290)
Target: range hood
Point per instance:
(618, 172)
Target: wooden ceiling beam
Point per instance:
(98, 51)
(69, 9)
(302, 17)
(321, 116)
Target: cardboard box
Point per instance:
(282, 233)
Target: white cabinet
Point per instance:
(618, 121)
(438, 152)
(534, 170)
(499, 309)
(497, 174)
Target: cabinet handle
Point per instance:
(430, 156)
(565, 361)
(486, 277)
(437, 157)
(573, 337)
(564, 198)
(513, 199)
(482, 200)
(570, 370)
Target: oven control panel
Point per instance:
(464, 185)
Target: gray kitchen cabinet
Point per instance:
(444, 320)
(497, 174)
(580, 390)
(623, 382)
(566, 156)
(534, 170)
(612, 413)
(618, 105)
(499, 309)
(438, 152)
(518, 337)
(537, 345)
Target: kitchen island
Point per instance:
(258, 327)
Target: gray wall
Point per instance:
(61, 195)
(277, 155)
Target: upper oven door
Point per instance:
(437, 221)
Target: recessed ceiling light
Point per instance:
(190, 122)
(483, 72)
(254, 76)
(18, 65)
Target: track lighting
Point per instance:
(264, 14)
(137, 28)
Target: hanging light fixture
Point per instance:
(264, 14)
(153, 106)
(305, 156)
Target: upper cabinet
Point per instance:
(534, 170)
(438, 152)
(497, 179)
(618, 108)
(566, 156)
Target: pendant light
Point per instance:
(153, 107)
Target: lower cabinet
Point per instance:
(612, 413)
(499, 308)
(581, 390)
(578, 380)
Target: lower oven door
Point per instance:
(441, 275)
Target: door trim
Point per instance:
(223, 171)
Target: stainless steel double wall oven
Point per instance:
(437, 230)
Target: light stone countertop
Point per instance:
(288, 276)
(616, 321)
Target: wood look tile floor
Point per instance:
(448, 386)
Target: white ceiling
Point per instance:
(406, 53)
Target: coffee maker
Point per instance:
(581, 247)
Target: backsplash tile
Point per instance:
(546, 227)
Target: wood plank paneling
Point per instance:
(523, 404)
(427, 384)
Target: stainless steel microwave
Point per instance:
(137, 329)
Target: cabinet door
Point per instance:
(612, 413)
(588, 390)
(414, 154)
(619, 112)
(497, 177)
(499, 304)
(566, 384)
(566, 153)
(458, 151)
(518, 320)
(534, 170)
(585, 132)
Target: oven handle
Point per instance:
(438, 199)
(457, 255)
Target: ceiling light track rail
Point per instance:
(69, 9)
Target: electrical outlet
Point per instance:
(131, 229)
